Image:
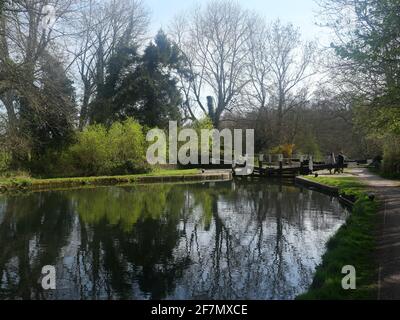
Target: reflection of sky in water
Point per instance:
(265, 259)
(242, 240)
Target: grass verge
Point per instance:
(389, 176)
(24, 182)
(352, 245)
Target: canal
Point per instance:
(216, 240)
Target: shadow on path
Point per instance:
(388, 232)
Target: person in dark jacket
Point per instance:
(340, 162)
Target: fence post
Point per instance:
(311, 165)
(260, 163)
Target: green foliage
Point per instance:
(90, 153)
(373, 47)
(383, 124)
(203, 124)
(21, 180)
(127, 145)
(378, 122)
(308, 144)
(119, 150)
(124, 209)
(372, 51)
(205, 199)
(391, 156)
(5, 161)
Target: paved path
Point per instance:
(388, 232)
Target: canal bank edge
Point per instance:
(346, 200)
(312, 184)
(49, 184)
(354, 244)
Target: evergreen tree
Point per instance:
(107, 108)
(144, 88)
(50, 126)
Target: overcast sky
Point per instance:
(301, 13)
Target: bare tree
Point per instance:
(214, 41)
(105, 26)
(279, 68)
(259, 68)
(24, 42)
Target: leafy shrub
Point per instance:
(5, 160)
(308, 144)
(127, 145)
(119, 150)
(198, 126)
(391, 156)
(205, 123)
(90, 155)
(286, 150)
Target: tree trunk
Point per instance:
(12, 118)
(83, 118)
(281, 104)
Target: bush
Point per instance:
(5, 161)
(391, 156)
(90, 154)
(286, 150)
(203, 124)
(308, 144)
(119, 150)
(127, 145)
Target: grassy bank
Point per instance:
(25, 182)
(389, 176)
(352, 245)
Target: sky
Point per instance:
(302, 13)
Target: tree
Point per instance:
(52, 125)
(2, 3)
(32, 94)
(367, 46)
(213, 41)
(143, 87)
(104, 28)
(280, 65)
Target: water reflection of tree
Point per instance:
(140, 255)
(235, 263)
(226, 240)
(33, 231)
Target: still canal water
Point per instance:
(224, 240)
